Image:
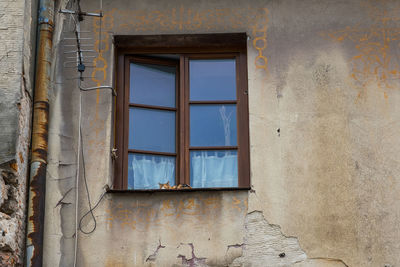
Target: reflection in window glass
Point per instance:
(212, 79)
(213, 168)
(213, 125)
(147, 171)
(152, 84)
(152, 130)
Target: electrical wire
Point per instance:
(78, 225)
(77, 181)
(78, 163)
(91, 209)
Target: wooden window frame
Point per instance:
(129, 48)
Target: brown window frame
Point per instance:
(137, 48)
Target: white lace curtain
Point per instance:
(214, 169)
(208, 169)
(146, 171)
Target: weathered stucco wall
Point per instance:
(323, 87)
(17, 44)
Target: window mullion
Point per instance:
(119, 125)
(126, 124)
(181, 116)
(243, 123)
(185, 74)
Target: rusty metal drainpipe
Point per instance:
(37, 183)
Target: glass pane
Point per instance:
(213, 168)
(152, 130)
(152, 85)
(147, 171)
(213, 125)
(212, 79)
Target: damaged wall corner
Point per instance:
(17, 53)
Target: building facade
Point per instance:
(315, 146)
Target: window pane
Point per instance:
(147, 171)
(152, 84)
(212, 79)
(213, 168)
(152, 130)
(213, 125)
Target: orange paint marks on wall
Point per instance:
(252, 20)
(376, 61)
(111, 262)
(260, 40)
(201, 209)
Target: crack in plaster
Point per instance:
(234, 246)
(24, 85)
(60, 202)
(153, 256)
(193, 261)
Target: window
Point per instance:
(181, 111)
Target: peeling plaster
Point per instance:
(265, 245)
(233, 252)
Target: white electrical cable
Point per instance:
(78, 164)
(77, 179)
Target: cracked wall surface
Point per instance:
(17, 44)
(265, 245)
(323, 91)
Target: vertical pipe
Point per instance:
(37, 183)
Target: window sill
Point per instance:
(177, 190)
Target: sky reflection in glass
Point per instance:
(213, 125)
(152, 130)
(152, 84)
(212, 79)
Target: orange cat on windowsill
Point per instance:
(179, 186)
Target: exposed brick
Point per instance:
(3, 191)
(6, 259)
